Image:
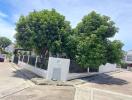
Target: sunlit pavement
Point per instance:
(15, 86)
(118, 82)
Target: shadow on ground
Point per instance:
(98, 79)
(105, 79)
(25, 74)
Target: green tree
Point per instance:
(115, 52)
(4, 42)
(94, 23)
(94, 31)
(46, 31)
(91, 52)
(24, 34)
(71, 46)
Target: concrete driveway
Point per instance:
(14, 85)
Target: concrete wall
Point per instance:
(107, 68)
(129, 68)
(58, 69)
(37, 71)
(128, 57)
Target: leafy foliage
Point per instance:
(48, 32)
(24, 34)
(94, 23)
(114, 52)
(91, 52)
(44, 31)
(4, 42)
(71, 46)
(94, 48)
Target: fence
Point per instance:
(34, 61)
(98, 94)
(33, 64)
(76, 68)
(43, 63)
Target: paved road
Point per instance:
(14, 85)
(11, 80)
(117, 86)
(117, 82)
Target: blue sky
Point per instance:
(120, 12)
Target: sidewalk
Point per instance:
(15, 85)
(115, 86)
(10, 81)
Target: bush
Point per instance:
(123, 65)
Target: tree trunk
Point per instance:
(44, 56)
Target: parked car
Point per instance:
(2, 58)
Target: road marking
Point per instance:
(89, 90)
(7, 95)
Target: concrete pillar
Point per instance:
(36, 61)
(88, 69)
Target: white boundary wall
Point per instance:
(37, 71)
(107, 68)
(53, 63)
(60, 64)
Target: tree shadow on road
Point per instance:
(105, 79)
(25, 74)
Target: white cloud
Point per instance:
(74, 10)
(3, 15)
(6, 29)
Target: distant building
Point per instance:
(128, 57)
(10, 48)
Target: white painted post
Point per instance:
(36, 61)
(28, 59)
(22, 58)
(88, 69)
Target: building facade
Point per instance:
(128, 57)
(10, 48)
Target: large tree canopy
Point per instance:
(94, 23)
(47, 31)
(94, 47)
(114, 51)
(44, 31)
(24, 34)
(4, 42)
(91, 51)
